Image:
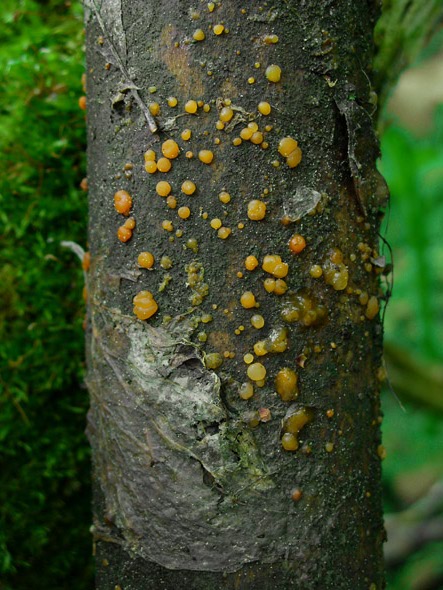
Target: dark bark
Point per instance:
(192, 492)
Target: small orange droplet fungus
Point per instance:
(199, 35)
(257, 321)
(145, 305)
(226, 114)
(247, 300)
(86, 261)
(286, 146)
(251, 263)
(286, 384)
(224, 233)
(163, 188)
(191, 107)
(246, 390)
(264, 108)
(172, 101)
(163, 165)
(82, 103)
(205, 156)
(170, 149)
(273, 73)
(167, 225)
(272, 263)
(292, 426)
(145, 260)
(256, 210)
(256, 372)
(289, 442)
(184, 212)
(124, 234)
(151, 167)
(218, 29)
(257, 138)
(186, 134)
(224, 197)
(188, 187)
(297, 243)
(154, 108)
(122, 202)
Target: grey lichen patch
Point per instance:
(184, 486)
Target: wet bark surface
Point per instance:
(194, 487)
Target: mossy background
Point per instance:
(44, 456)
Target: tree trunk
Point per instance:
(197, 487)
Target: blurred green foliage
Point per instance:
(44, 456)
(413, 434)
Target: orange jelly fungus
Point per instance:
(251, 262)
(297, 243)
(122, 202)
(163, 188)
(256, 210)
(124, 234)
(145, 260)
(145, 305)
(272, 263)
(170, 149)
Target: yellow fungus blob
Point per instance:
(191, 107)
(165, 262)
(224, 197)
(248, 358)
(257, 137)
(251, 262)
(188, 187)
(381, 452)
(170, 149)
(289, 442)
(253, 126)
(329, 447)
(257, 321)
(206, 108)
(154, 108)
(316, 271)
(213, 360)
(256, 210)
(237, 141)
(270, 39)
(164, 165)
(246, 390)
(260, 348)
(216, 223)
(280, 287)
(297, 243)
(304, 309)
(124, 234)
(219, 125)
(294, 158)
(151, 167)
(171, 202)
(256, 372)
(246, 133)
(149, 156)
(336, 274)
(224, 232)
(286, 384)
(247, 300)
(122, 202)
(82, 103)
(269, 285)
(205, 156)
(272, 263)
(264, 108)
(186, 134)
(163, 188)
(200, 103)
(129, 223)
(86, 261)
(273, 73)
(172, 101)
(184, 212)
(286, 146)
(199, 35)
(292, 426)
(145, 305)
(211, 6)
(167, 225)
(226, 114)
(218, 29)
(372, 308)
(296, 494)
(251, 80)
(145, 260)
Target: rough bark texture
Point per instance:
(192, 489)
